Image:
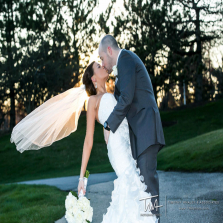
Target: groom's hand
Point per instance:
(106, 135)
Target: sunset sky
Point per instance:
(216, 53)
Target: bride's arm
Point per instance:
(88, 142)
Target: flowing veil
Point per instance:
(53, 120)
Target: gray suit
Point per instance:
(136, 101)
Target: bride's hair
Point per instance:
(89, 86)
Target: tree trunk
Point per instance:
(12, 110)
(198, 87)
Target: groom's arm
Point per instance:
(126, 73)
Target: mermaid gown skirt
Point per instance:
(129, 188)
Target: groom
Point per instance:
(135, 101)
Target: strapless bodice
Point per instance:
(106, 106)
(118, 146)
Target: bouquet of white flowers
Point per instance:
(78, 209)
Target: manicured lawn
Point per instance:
(31, 203)
(193, 122)
(201, 153)
(63, 158)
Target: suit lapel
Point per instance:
(120, 57)
(118, 64)
(117, 92)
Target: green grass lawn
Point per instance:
(63, 158)
(31, 203)
(192, 122)
(201, 153)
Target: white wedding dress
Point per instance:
(125, 206)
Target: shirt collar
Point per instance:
(118, 56)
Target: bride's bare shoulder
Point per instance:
(92, 101)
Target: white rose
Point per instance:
(70, 201)
(83, 203)
(88, 214)
(69, 217)
(79, 217)
(75, 209)
(115, 70)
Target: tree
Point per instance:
(168, 37)
(143, 30)
(197, 22)
(9, 54)
(46, 60)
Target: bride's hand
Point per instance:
(81, 186)
(106, 135)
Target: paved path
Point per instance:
(71, 183)
(178, 193)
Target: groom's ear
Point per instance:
(109, 51)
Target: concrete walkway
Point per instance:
(71, 183)
(179, 194)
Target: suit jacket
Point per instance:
(136, 101)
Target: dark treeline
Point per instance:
(172, 39)
(40, 52)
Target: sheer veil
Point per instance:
(53, 120)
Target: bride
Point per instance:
(58, 117)
(126, 206)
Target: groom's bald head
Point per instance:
(107, 41)
(108, 52)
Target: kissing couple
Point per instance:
(132, 130)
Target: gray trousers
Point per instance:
(147, 163)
